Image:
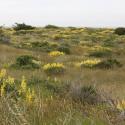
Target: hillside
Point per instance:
(62, 76)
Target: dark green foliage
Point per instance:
(56, 86)
(22, 26)
(64, 49)
(35, 80)
(26, 62)
(51, 27)
(120, 31)
(108, 64)
(85, 94)
(44, 46)
(101, 53)
(39, 44)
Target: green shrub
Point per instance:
(85, 94)
(120, 31)
(101, 54)
(39, 44)
(26, 62)
(64, 49)
(22, 26)
(44, 46)
(51, 27)
(99, 51)
(56, 86)
(109, 63)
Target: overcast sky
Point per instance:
(93, 13)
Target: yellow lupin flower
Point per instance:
(54, 67)
(30, 95)
(2, 90)
(10, 80)
(121, 105)
(2, 73)
(23, 84)
(89, 63)
(56, 53)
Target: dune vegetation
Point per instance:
(62, 75)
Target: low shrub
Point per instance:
(85, 94)
(39, 44)
(120, 31)
(97, 63)
(56, 86)
(56, 53)
(22, 26)
(51, 27)
(64, 49)
(109, 63)
(99, 51)
(44, 46)
(120, 105)
(89, 63)
(100, 54)
(26, 62)
(54, 68)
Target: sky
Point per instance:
(82, 13)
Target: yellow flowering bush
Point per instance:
(25, 91)
(90, 63)
(56, 53)
(7, 84)
(54, 68)
(99, 51)
(8, 87)
(121, 105)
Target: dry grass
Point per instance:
(50, 108)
